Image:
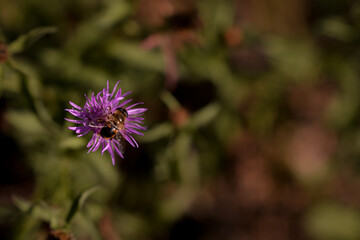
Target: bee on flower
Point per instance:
(110, 121)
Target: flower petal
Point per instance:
(74, 105)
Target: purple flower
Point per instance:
(104, 113)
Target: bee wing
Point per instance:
(95, 123)
(121, 140)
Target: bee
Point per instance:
(113, 126)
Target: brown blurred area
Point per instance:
(278, 16)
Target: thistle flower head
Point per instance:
(99, 112)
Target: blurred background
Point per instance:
(253, 119)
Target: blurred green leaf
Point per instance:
(217, 16)
(176, 205)
(330, 221)
(25, 122)
(25, 41)
(73, 71)
(94, 169)
(343, 109)
(84, 226)
(132, 54)
(337, 28)
(170, 101)
(296, 60)
(21, 203)
(134, 224)
(187, 164)
(182, 145)
(157, 132)
(32, 89)
(72, 143)
(40, 211)
(215, 68)
(94, 28)
(10, 81)
(205, 115)
(79, 202)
